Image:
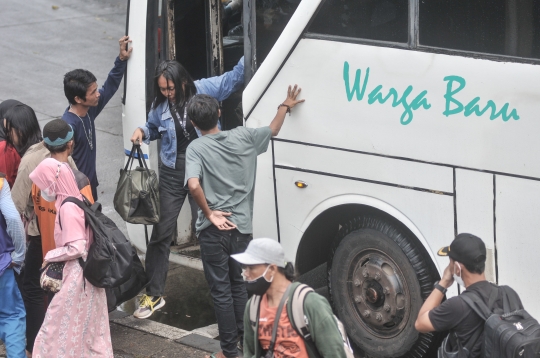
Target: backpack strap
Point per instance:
(299, 320)
(510, 299)
(254, 308)
(476, 303)
(282, 302)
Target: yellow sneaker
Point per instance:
(147, 306)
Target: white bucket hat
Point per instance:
(262, 251)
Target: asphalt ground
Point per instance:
(41, 40)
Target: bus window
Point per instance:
(383, 20)
(272, 17)
(502, 27)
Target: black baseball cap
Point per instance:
(467, 249)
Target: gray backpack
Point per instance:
(299, 320)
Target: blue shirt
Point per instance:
(14, 243)
(83, 155)
(160, 123)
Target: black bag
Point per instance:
(129, 289)
(458, 351)
(512, 333)
(137, 193)
(110, 257)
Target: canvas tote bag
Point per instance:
(137, 194)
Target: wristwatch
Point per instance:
(439, 287)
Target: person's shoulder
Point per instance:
(81, 179)
(455, 305)
(69, 117)
(36, 151)
(316, 303)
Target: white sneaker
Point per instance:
(147, 306)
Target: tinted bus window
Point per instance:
(272, 17)
(384, 20)
(502, 27)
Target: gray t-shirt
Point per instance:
(226, 163)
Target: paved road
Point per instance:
(41, 40)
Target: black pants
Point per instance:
(224, 276)
(36, 300)
(172, 195)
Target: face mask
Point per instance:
(457, 278)
(50, 197)
(260, 285)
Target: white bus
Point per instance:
(420, 122)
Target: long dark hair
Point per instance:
(175, 72)
(22, 119)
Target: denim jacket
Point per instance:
(160, 122)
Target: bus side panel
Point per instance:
(264, 210)
(408, 104)
(518, 237)
(474, 209)
(432, 213)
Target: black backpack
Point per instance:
(509, 332)
(512, 333)
(110, 257)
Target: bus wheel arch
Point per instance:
(362, 228)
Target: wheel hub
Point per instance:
(378, 293)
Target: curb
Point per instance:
(200, 338)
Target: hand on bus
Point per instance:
(292, 93)
(218, 218)
(137, 136)
(124, 51)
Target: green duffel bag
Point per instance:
(137, 194)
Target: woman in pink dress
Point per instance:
(77, 322)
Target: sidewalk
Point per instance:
(135, 338)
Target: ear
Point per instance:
(78, 100)
(219, 113)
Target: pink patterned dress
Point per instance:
(77, 322)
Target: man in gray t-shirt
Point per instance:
(220, 174)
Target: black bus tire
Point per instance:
(378, 280)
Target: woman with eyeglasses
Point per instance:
(168, 121)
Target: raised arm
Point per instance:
(285, 108)
(221, 87)
(115, 76)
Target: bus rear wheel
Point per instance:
(374, 283)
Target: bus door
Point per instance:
(209, 41)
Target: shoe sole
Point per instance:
(150, 312)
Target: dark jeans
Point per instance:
(36, 300)
(172, 195)
(224, 276)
